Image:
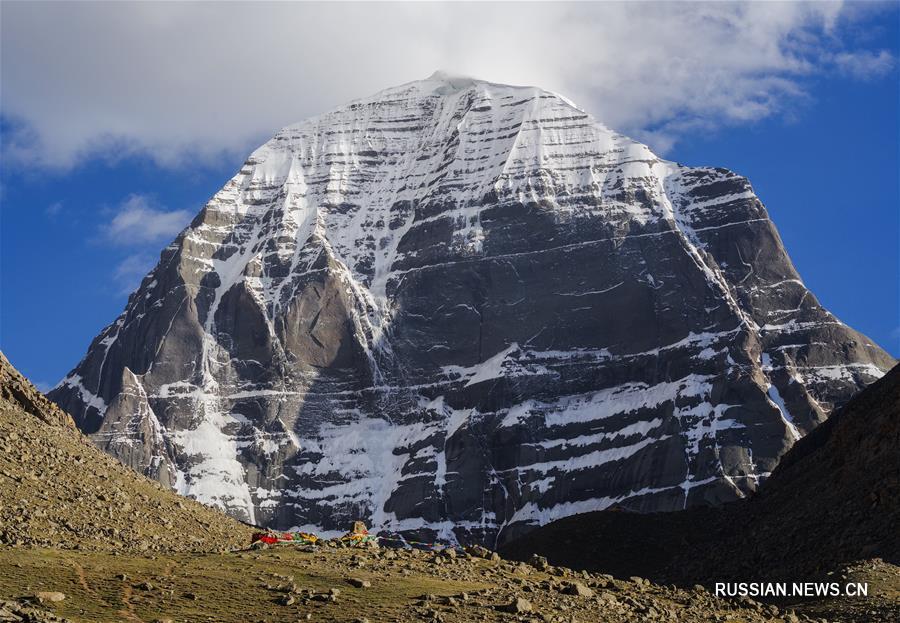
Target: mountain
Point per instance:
(464, 309)
(57, 489)
(833, 500)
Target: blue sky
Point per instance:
(804, 100)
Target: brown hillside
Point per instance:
(57, 489)
(17, 390)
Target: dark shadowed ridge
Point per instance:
(833, 500)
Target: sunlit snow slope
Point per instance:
(463, 309)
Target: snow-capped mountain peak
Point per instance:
(466, 308)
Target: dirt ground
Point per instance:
(294, 583)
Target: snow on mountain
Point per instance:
(463, 309)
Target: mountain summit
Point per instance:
(466, 309)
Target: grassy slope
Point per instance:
(243, 587)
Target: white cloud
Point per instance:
(138, 221)
(131, 270)
(186, 82)
(865, 65)
(137, 226)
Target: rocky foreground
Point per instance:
(291, 583)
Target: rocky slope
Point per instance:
(466, 309)
(57, 489)
(836, 496)
(833, 500)
(16, 390)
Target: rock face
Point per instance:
(466, 309)
(833, 500)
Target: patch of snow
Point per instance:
(776, 401)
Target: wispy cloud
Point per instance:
(136, 228)
(139, 221)
(53, 210)
(182, 92)
(865, 65)
(129, 272)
